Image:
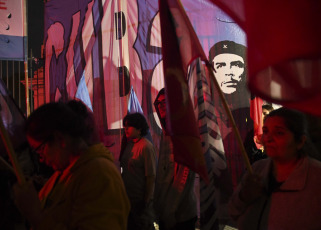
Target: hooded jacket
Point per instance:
(88, 194)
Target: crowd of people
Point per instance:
(87, 191)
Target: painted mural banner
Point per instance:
(115, 46)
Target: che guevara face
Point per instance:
(229, 71)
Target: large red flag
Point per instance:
(284, 49)
(179, 47)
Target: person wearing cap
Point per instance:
(229, 62)
(228, 59)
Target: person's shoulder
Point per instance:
(147, 143)
(98, 158)
(262, 164)
(314, 173)
(102, 169)
(315, 163)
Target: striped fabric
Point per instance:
(213, 152)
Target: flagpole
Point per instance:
(230, 116)
(3, 161)
(25, 39)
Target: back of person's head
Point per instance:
(54, 117)
(138, 121)
(268, 107)
(294, 120)
(91, 135)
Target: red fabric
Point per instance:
(179, 46)
(256, 115)
(234, 8)
(284, 49)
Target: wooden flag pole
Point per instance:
(11, 154)
(3, 161)
(230, 116)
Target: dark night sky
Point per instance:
(35, 26)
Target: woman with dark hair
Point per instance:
(138, 163)
(284, 192)
(86, 190)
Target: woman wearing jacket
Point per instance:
(284, 192)
(86, 190)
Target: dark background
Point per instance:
(35, 13)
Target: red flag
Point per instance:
(284, 58)
(234, 8)
(179, 47)
(256, 115)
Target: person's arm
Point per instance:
(27, 201)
